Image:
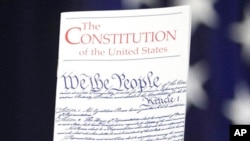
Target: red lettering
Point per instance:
(67, 35)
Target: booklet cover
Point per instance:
(122, 75)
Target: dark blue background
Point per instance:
(29, 36)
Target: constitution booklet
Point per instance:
(122, 75)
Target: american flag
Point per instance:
(219, 75)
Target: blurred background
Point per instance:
(219, 76)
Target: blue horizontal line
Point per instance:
(132, 59)
(123, 16)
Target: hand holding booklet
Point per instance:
(122, 75)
